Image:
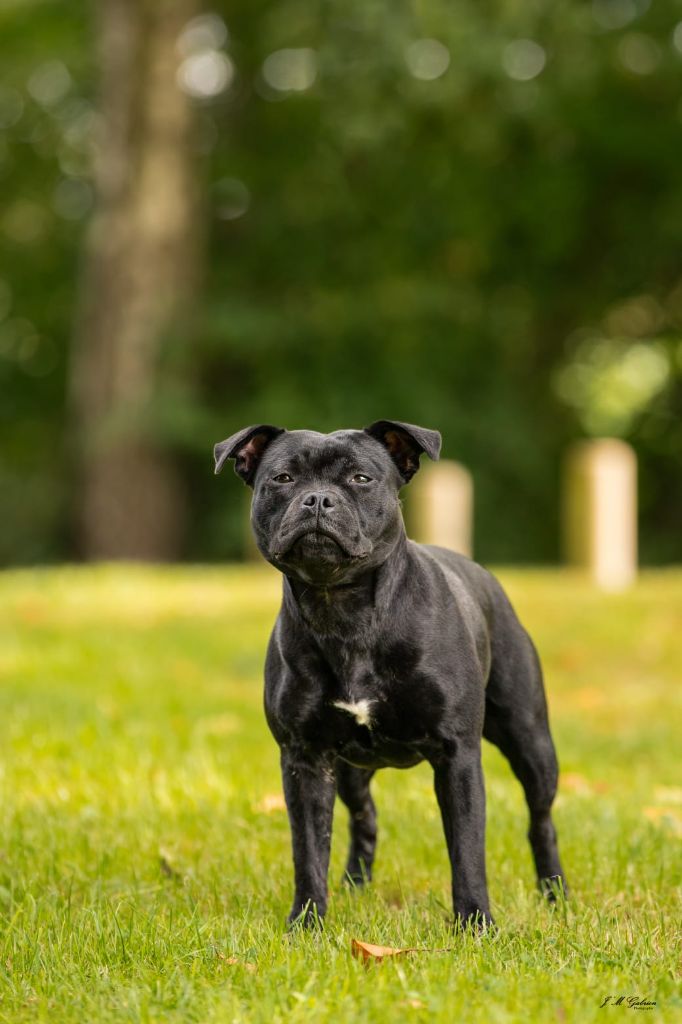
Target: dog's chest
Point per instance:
(368, 733)
(383, 715)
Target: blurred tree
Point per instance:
(443, 201)
(141, 266)
(467, 214)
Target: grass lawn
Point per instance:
(144, 851)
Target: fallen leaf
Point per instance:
(368, 952)
(234, 961)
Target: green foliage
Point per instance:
(44, 169)
(144, 854)
(487, 251)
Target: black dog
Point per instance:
(386, 653)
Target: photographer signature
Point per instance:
(631, 1002)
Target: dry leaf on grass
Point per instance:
(234, 961)
(368, 952)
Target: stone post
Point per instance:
(440, 506)
(600, 511)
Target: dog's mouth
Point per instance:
(318, 544)
(311, 543)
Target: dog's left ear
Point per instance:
(246, 447)
(405, 443)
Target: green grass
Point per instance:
(143, 845)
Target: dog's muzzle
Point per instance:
(317, 535)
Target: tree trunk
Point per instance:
(138, 281)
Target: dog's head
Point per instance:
(325, 507)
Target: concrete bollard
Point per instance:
(440, 506)
(600, 511)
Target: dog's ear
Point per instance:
(246, 447)
(405, 443)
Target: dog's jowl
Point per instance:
(386, 653)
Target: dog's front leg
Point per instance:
(309, 790)
(461, 797)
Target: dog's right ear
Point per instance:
(246, 447)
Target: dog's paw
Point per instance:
(476, 922)
(553, 888)
(356, 876)
(308, 917)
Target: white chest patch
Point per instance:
(360, 710)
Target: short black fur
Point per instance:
(386, 653)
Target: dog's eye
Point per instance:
(360, 478)
(283, 478)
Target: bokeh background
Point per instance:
(316, 214)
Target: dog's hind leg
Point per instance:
(353, 788)
(516, 721)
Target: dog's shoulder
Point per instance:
(477, 580)
(466, 579)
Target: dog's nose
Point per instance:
(318, 501)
